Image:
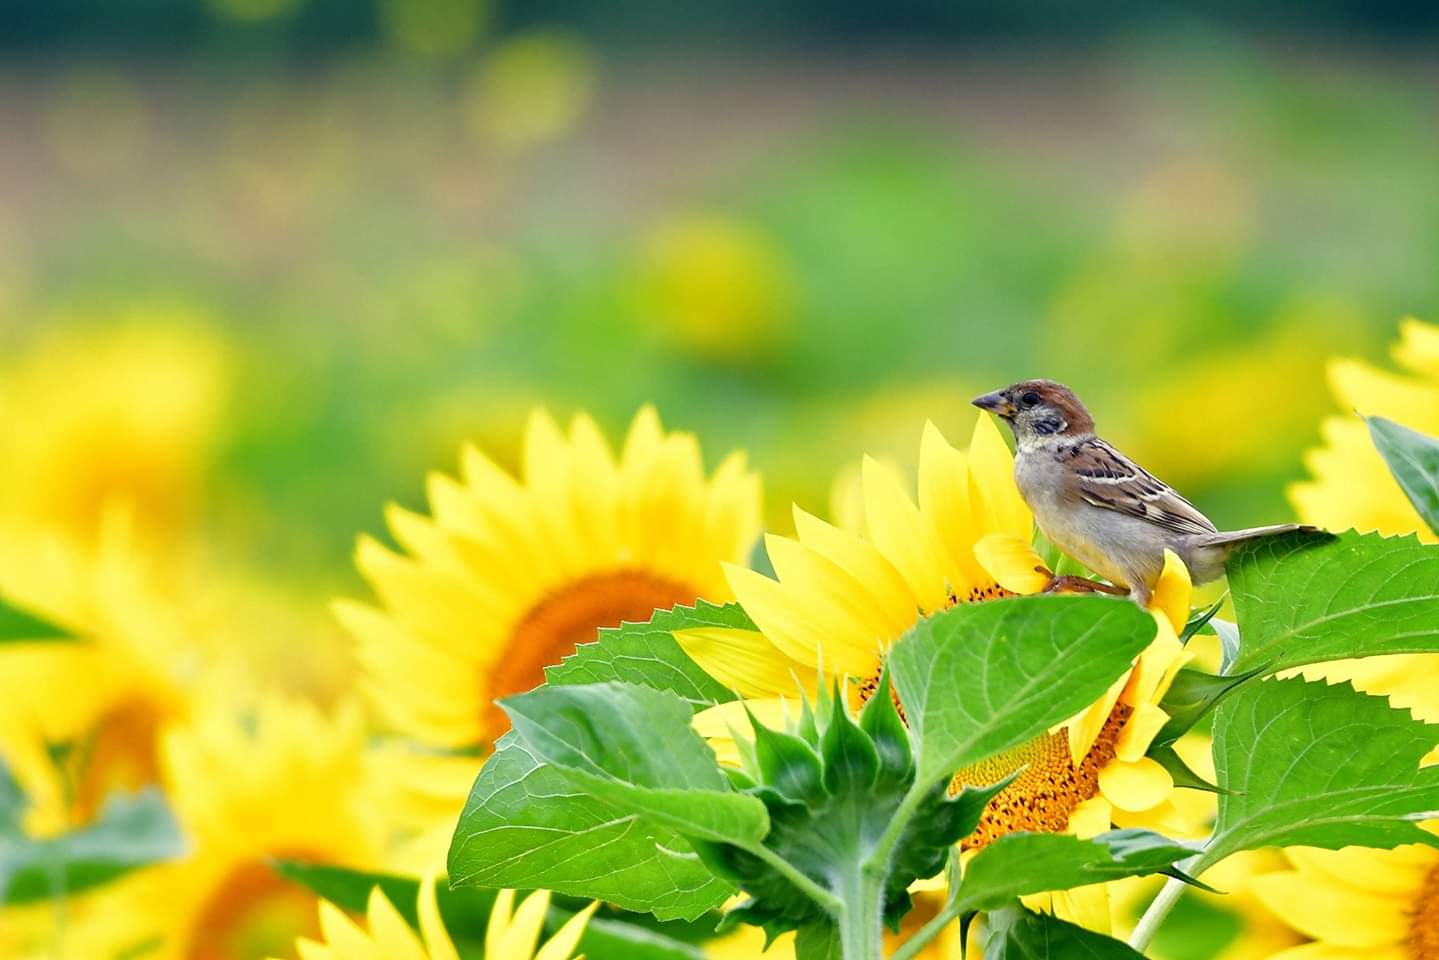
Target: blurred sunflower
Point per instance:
(841, 600)
(83, 718)
(1358, 903)
(251, 781)
(1355, 902)
(1352, 486)
(511, 934)
(716, 287)
(123, 414)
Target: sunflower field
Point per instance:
(503, 481)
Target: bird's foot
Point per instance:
(1073, 584)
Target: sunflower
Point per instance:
(252, 780)
(1358, 903)
(508, 575)
(1352, 487)
(83, 718)
(511, 935)
(841, 599)
(124, 412)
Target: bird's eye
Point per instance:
(1029, 399)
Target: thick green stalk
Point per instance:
(861, 917)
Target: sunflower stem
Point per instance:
(878, 862)
(1155, 914)
(861, 917)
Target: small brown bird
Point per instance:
(1099, 506)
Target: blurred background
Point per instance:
(263, 263)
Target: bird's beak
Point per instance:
(996, 403)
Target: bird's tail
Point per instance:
(1234, 537)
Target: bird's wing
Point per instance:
(1107, 478)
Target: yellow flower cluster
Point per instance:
(505, 575)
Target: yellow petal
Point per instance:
(1399, 872)
(1087, 907)
(944, 503)
(888, 595)
(391, 934)
(1418, 347)
(847, 629)
(992, 491)
(899, 532)
(1139, 732)
(562, 945)
(1012, 562)
(432, 928)
(1331, 911)
(1084, 728)
(1156, 666)
(746, 662)
(1165, 817)
(1091, 818)
(523, 933)
(345, 936)
(1330, 951)
(499, 921)
(1136, 785)
(1172, 592)
(794, 623)
(1372, 392)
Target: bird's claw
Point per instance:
(1073, 584)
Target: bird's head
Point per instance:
(1038, 411)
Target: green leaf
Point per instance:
(21, 626)
(984, 677)
(817, 941)
(528, 827)
(1179, 771)
(1201, 620)
(646, 654)
(1018, 864)
(633, 747)
(1228, 634)
(1191, 696)
(1314, 765)
(1017, 934)
(1413, 458)
(466, 912)
(131, 832)
(1305, 599)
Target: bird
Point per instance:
(1098, 505)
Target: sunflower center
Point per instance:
(552, 629)
(1049, 789)
(119, 756)
(1424, 924)
(253, 912)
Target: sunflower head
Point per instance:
(253, 779)
(508, 574)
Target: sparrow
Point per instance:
(1101, 507)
